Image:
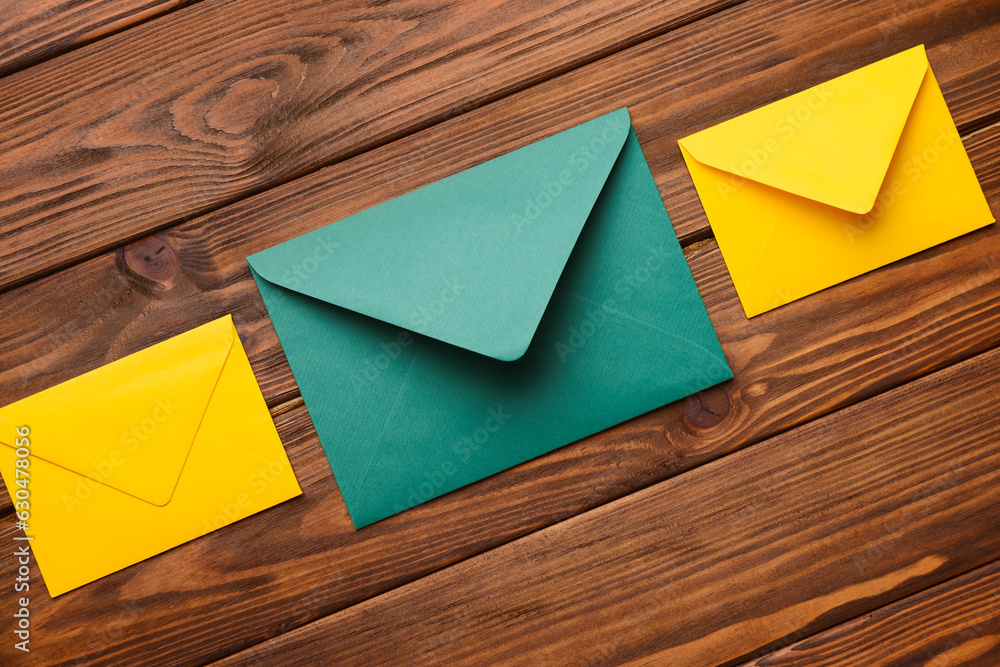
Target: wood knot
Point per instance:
(153, 258)
(707, 408)
(242, 106)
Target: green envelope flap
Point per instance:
(403, 418)
(471, 260)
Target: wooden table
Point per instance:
(838, 502)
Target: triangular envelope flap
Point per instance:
(831, 143)
(470, 260)
(129, 424)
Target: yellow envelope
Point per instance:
(142, 455)
(835, 181)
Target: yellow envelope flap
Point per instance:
(831, 143)
(130, 424)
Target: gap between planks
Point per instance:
(898, 401)
(926, 591)
(142, 17)
(295, 403)
(991, 182)
(292, 404)
(692, 248)
(456, 112)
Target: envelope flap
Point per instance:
(831, 143)
(130, 424)
(470, 260)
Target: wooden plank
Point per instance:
(35, 30)
(813, 527)
(226, 98)
(133, 297)
(956, 623)
(125, 300)
(151, 159)
(307, 561)
(64, 632)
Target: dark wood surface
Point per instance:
(955, 623)
(168, 120)
(802, 531)
(32, 31)
(799, 498)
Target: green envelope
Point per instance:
(489, 317)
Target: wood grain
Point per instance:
(123, 301)
(792, 365)
(818, 525)
(169, 119)
(151, 159)
(192, 584)
(299, 562)
(35, 30)
(956, 623)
